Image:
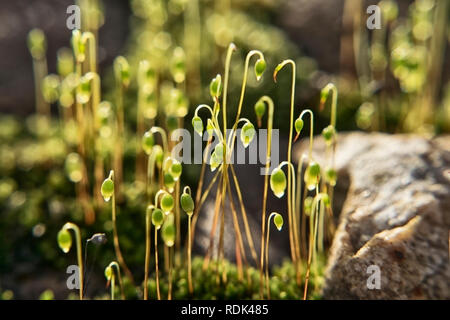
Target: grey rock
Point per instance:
(396, 216)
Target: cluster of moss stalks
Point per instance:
(99, 145)
(208, 285)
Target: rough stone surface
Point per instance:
(393, 196)
(396, 216)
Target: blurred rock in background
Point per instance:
(396, 216)
(18, 17)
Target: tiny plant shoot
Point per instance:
(168, 234)
(148, 226)
(278, 221)
(289, 177)
(260, 109)
(65, 243)
(99, 135)
(330, 136)
(122, 77)
(111, 277)
(37, 45)
(157, 221)
(108, 192)
(187, 204)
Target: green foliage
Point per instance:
(208, 283)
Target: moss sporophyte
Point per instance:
(65, 243)
(99, 143)
(260, 110)
(108, 192)
(278, 222)
(111, 277)
(220, 158)
(187, 203)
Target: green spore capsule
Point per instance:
(148, 141)
(84, 90)
(298, 125)
(176, 169)
(64, 62)
(260, 109)
(215, 87)
(167, 203)
(331, 176)
(247, 134)
(312, 175)
(122, 70)
(260, 67)
(66, 88)
(181, 103)
(107, 189)
(78, 46)
(210, 128)
(159, 155)
(168, 231)
(308, 205)
(64, 240)
(50, 88)
(278, 221)
(169, 181)
(214, 162)
(108, 272)
(125, 76)
(389, 10)
(278, 182)
(324, 94)
(37, 43)
(150, 107)
(218, 151)
(178, 65)
(328, 134)
(150, 74)
(187, 203)
(157, 218)
(197, 123)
